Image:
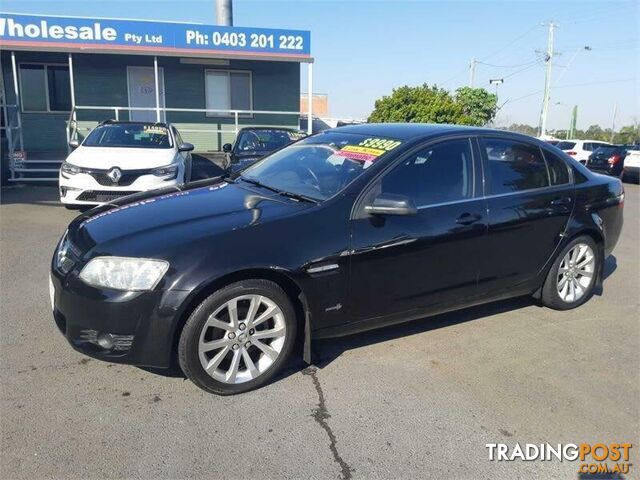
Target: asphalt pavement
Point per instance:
(419, 400)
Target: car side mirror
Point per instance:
(185, 147)
(227, 147)
(74, 143)
(391, 204)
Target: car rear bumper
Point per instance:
(611, 170)
(135, 328)
(632, 172)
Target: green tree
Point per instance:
(522, 128)
(430, 104)
(478, 105)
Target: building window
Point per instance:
(228, 90)
(45, 88)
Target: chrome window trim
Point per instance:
(497, 195)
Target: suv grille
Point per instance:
(102, 195)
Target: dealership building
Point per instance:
(62, 75)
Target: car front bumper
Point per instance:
(124, 327)
(83, 189)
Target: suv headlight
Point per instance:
(69, 169)
(170, 171)
(122, 273)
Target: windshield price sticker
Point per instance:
(362, 154)
(380, 143)
(153, 129)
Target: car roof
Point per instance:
(131, 122)
(285, 129)
(417, 131)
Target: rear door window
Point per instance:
(558, 169)
(513, 166)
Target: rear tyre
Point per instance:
(572, 277)
(238, 338)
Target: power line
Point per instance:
(534, 64)
(501, 49)
(506, 66)
(621, 80)
(518, 38)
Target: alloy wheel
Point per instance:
(575, 274)
(242, 338)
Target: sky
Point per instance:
(365, 49)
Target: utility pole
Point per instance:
(571, 133)
(472, 71)
(224, 12)
(547, 80)
(613, 123)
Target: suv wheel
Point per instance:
(238, 338)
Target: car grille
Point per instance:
(102, 195)
(67, 255)
(128, 177)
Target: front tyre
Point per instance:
(572, 277)
(238, 338)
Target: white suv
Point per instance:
(121, 158)
(580, 149)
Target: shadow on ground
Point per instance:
(45, 195)
(326, 351)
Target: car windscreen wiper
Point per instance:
(284, 193)
(298, 196)
(258, 184)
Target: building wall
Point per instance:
(101, 80)
(320, 104)
(41, 131)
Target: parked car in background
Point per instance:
(608, 160)
(344, 231)
(631, 168)
(253, 143)
(121, 158)
(580, 149)
(320, 124)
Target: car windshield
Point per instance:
(320, 166)
(263, 140)
(131, 135)
(566, 145)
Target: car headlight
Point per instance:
(121, 273)
(170, 171)
(69, 169)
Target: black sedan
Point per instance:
(253, 143)
(608, 159)
(347, 230)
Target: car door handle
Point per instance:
(561, 202)
(468, 218)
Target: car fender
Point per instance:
(281, 276)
